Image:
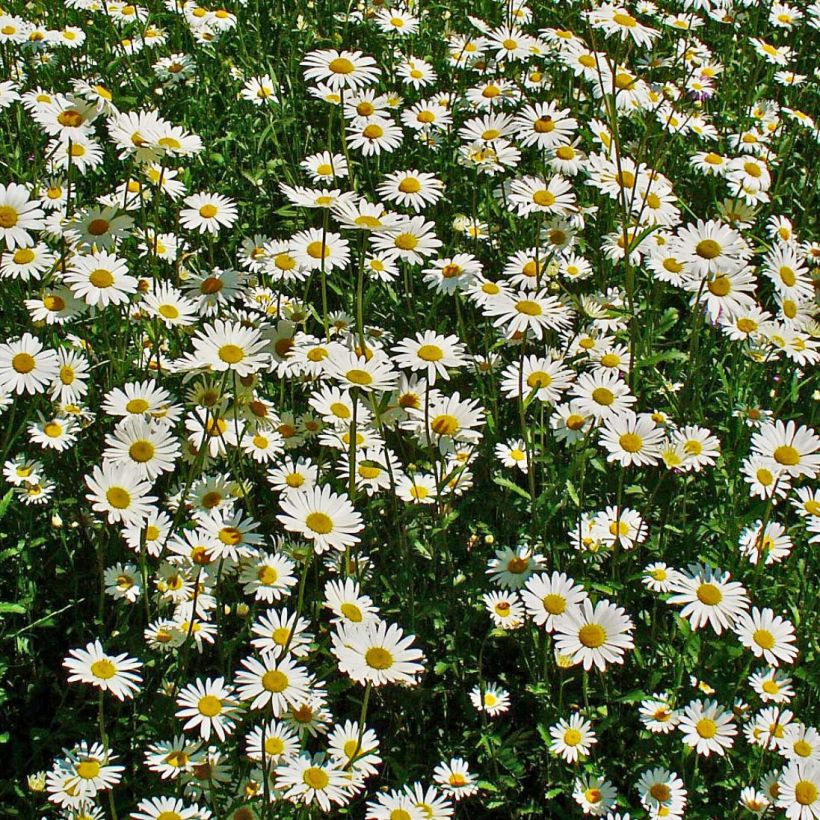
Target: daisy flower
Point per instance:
(455, 779)
(595, 795)
(340, 70)
(572, 739)
(120, 493)
(26, 366)
(100, 279)
(321, 516)
(163, 808)
(268, 577)
(270, 682)
(347, 603)
(19, 214)
(208, 706)
(631, 439)
(495, 700)
(306, 780)
(208, 213)
(707, 727)
(791, 449)
(111, 673)
(431, 352)
(594, 635)
(799, 790)
(231, 346)
(709, 597)
(376, 653)
(547, 597)
(413, 189)
(768, 635)
(374, 136)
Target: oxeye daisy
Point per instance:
(411, 240)
(631, 439)
(100, 279)
(279, 633)
(208, 706)
(272, 683)
(391, 805)
(534, 195)
(147, 446)
(662, 792)
(315, 249)
(325, 518)
(430, 352)
(26, 366)
(207, 212)
(594, 635)
(414, 189)
(169, 306)
(19, 214)
(708, 596)
(377, 653)
(791, 449)
(111, 673)
(572, 739)
(547, 597)
(374, 136)
(231, 346)
(595, 795)
(799, 790)
(533, 311)
(306, 780)
(118, 491)
(707, 727)
(167, 808)
(347, 603)
(340, 70)
(494, 700)
(455, 779)
(768, 635)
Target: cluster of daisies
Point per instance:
(486, 261)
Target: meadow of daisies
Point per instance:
(409, 411)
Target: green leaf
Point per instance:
(509, 485)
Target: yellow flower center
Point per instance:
(592, 635)
(409, 185)
(805, 792)
(118, 498)
(101, 278)
(719, 286)
(88, 769)
(275, 681)
(430, 353)
(787, 456)
(103, 669)
(631, 442)
(708, 249)
(141, 451)
(209, 706)
(208, 211)
(137, 406)
(706, 728)
(378, 658)
(231, 354)
(709, 594)
(341, 65)
(319, 523)
(23, 363)
(352, 612)
(444, 425)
